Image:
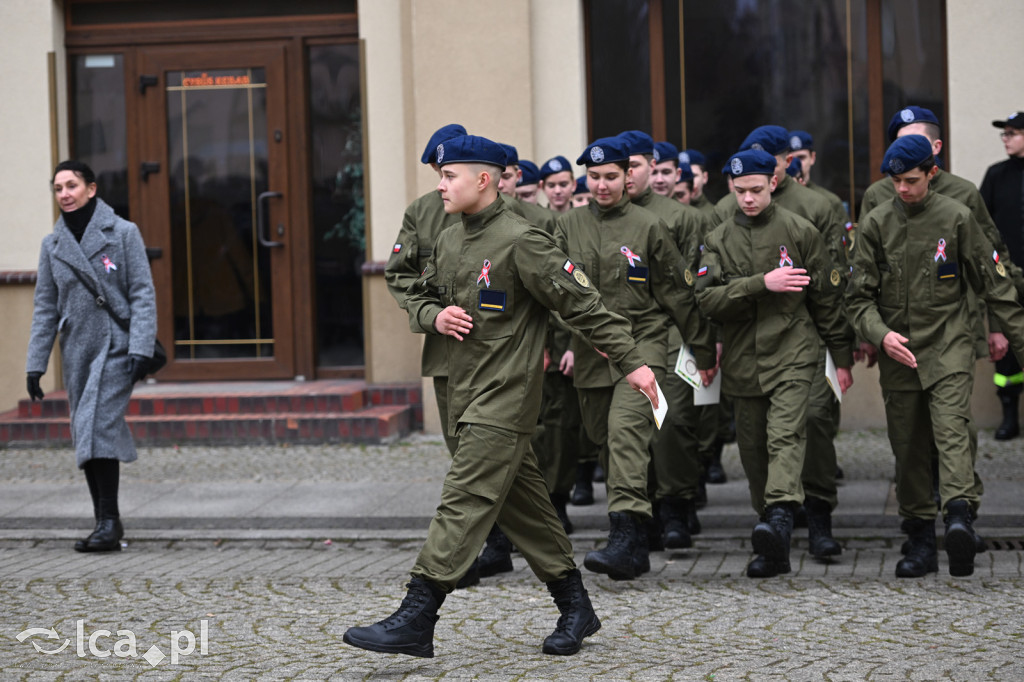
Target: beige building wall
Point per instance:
(31, 29)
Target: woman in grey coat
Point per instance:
(101, 361)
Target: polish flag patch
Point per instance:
(703, 271)
(397, 249)
(568, 267)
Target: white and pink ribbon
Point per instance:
(630, 256)
(940, 252)
(485, 274)
(784, 258)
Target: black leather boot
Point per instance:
(497, 555)
(819, 529)
(771, 540)
(714, 473)
(583, 491)
(1010, 428)
(90, 479)
(409, 630)
(920, 556)
(578, 619)
(617, 559)
(690, 514)
(559, 502)
(109, 531)
(675, 534)
(106, 537)
(960, 542)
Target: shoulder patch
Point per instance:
(688, 277)
(576, 273)
(834, 278)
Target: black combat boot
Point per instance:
(1010, 428)
(819, 529)
(960, 541)
(409, 630)
(583, 492)
(714, 473)
(652, 531)
(690, 514)
(578, 619)
(771, 539)
(90, 479)
(497, 555)
(920, 556)
(617, 559)
(675, 534)
(109, 531)
(559, 501)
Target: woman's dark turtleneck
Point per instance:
(78, 220)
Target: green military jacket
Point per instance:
(507, 275)
(912, 267)
(688, 226)
(964, 191)
(538, 216)
(423, 221)
(705, 206)
(771, 337)
(630, 256)
(794, 197)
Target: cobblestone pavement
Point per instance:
(275, 602)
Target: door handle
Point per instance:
(261, 220)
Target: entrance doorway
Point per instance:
(214, 179)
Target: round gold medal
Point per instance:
(580, 278)
(688, 277)
(1001, 269)
(834, 277)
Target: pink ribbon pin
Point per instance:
(108, 264)
(484, 274)
(940, 252)
(784, 258)
(630, 256)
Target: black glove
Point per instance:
(34, 392)
(138, 367)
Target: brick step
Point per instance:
(239, 413)
(371, 425)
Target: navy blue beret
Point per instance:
(750, 162)
(772, 139)
(906, 153)
(800, 139)
(685, 172)
(581, 186)
(440, 135)
(665, 151)
(555, 165)
(908, 115)
(637, 142)
(795, 168)
(531, 174)
(692, 157)
(604, 150)
(471, 149)
(511, 154)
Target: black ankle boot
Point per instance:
(106, 537)
(578, 619)
(559, 501)
(583, 492)
(819, 529)
(714, 473)
(771, 537)
(409, 630)
(617, 559)
(960, 542)
(1010, 428)
(675, 534)
(920, 556)
(497, 555)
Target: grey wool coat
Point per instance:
(94, 349)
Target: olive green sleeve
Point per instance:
(825, 301)
(403, 266)
(991, 282)
(423, 303)
(719, 299)
(863, 289)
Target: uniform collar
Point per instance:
(611, 211)
(912, 210)
(482, 219)
(762, 218)
(644, 198)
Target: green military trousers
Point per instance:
(622, 418)
(559, 450)
(819, 474)
(677, 447)
(913, 418)
(771, 432)
(494, 477)
(441, 395)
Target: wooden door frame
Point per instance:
(154, 197)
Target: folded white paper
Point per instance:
(832, 376)
(686, 366)
(661, 410)
(709, 395)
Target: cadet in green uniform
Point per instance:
(632, 259)
(557, 183)
(913, 260)
(423, 221)
(665, 172)
(687, 438)
(819, 476)
(528, 186)
(510, 177)
(487, 289)
(698, 166)
(766, 276)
